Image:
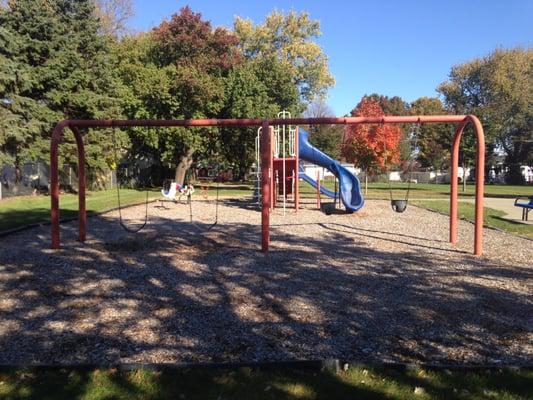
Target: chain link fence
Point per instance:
(415, 177)
(34, 178)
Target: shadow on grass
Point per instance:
(525, 231)
(15, 219)
(252, 383)
(510, 221)
(237, 383)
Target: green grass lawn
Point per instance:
(246, 383)
(225, 189)
(491, 218)
(380, 191)
(20, 211)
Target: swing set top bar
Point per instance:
(462, 120)
(107, 123)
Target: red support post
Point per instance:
(266, 161)
(480, 182)
(480, 185)
(82, 183)
(453, 181)
(54, 182)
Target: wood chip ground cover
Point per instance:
(374, 286)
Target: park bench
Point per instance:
(526, 207)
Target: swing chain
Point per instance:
(411, 157)
(382, 125)
(121, 220)
(216, 207)
(400, 205)
(189, 200)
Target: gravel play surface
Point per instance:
(371, 286)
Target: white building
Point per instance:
(312, 169)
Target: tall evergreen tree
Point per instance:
(23, 116)
(59, 68)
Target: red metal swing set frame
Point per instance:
(266, 161)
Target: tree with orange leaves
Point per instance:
(369, 146)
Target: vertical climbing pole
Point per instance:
(266, 163)
(296, 172)
(283, 115)
(318, 200)
(272, 151)
(257, 182)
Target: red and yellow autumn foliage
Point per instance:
(371, 147)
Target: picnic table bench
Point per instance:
(526, 206)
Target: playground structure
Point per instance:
(289, 144)
(283, 163)
(266, 162)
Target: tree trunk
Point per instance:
(366, 184)
(241, 169)
(183, 166)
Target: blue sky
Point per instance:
(402, 47)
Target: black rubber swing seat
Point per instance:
(399, 205)
(328, 208)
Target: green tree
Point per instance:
(497, 88)
(22, 118)
(187, 69)
(202, 58)
(147, 91)
(259, 88)
(58, 68)
(390, 105)
(289, 38)
(279, 84)
(434, 141)
(246, 96)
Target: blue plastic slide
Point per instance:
(350, 188)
